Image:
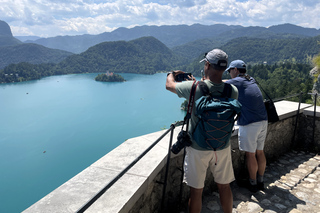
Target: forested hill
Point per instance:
(144, 55)
(193, 49)
(31, 53)
(259, 51)
(254, 50)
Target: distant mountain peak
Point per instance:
(294, 29)
(5, 29)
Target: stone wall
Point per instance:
(280, 139)
(305, 139)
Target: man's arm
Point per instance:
(170, 83)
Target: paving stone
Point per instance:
(268, 175)
(311, 180)
(290, 184)
(308, 185)
(213, 206)
(270, 211)
(254, 207)
(295, 211)
(275, 198)
(295, 179)
(280, 206)
(266, 202)
(302, 195)
(283, 161)
(292, 160)
(313, 176)
(303, 171)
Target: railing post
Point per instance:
(167, 168)
(296, 124)
(314, 117)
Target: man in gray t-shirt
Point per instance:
(198, 160)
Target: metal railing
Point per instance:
(104, 189)
(314, 115)
(307, 146)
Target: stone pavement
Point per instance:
(292, 185)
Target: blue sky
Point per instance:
(49, 18)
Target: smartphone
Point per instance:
(182, 76)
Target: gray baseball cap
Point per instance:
(216, 56)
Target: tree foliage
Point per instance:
(281, 80)
(25, 72)
(316, 62)
(109, 77)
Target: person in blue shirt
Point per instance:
(253, 123)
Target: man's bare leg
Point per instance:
(195, 200)
(226, 198)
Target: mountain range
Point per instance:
(185, 44)
(176, 35)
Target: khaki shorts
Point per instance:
(196, 164)
(252, 136)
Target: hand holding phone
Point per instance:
(182, 77)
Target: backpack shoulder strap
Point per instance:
(203, 88)
(191, 100)
(227, 90)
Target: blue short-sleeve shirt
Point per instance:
(250, 96)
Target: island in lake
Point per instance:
(109, 77)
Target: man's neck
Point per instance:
(216, 81)
(216, 78)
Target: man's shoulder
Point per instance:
(183, 89)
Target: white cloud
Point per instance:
(72, 17)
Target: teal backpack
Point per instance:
(217, 115)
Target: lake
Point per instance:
(53, 128)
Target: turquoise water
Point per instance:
(53, 128)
